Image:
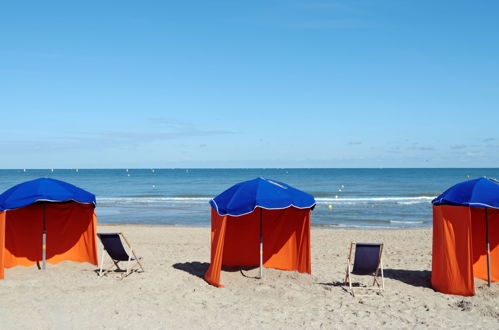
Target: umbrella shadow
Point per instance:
(418, 278)
(198, 269)
(194, 268)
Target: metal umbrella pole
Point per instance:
(261, 245)
(44, 238)
(487, 245)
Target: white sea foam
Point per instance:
(406, 222)
(151, 200)
(320, 200)
(411, 202)
(350, 226)
(352, 200)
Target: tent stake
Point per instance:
(44, 238)
(261, 246)
(488, 245)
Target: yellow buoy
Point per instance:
(330, 206)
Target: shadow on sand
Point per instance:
(343, 286)
(198, 269)
(195, 268)
(419, 278)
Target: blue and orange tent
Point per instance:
(260, 222)
(466, 236)
(46, 220)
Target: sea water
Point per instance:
(346, 198)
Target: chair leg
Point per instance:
(102, 270)
(381, 286)
(349, 277)
(377, 282)
(101, 263)
(125, 274)
(128, 266)
(348, 260)
(346, 272)
(116, 263)
(131, 250)
(382, 276)
(350, 284)
(138, 262)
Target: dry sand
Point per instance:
(171, 293)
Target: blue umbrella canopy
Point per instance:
(482, 192)
(244, 197)
(43, 190)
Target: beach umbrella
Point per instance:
(481, 193)
(244, 197)
(43, 190)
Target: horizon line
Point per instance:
(232, 168)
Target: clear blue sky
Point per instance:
(249, 84)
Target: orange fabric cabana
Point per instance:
(459, 248)
(260, 222)
(466, 236)
(235, 241)
(70, 229)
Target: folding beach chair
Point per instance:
(112, 244)
(368, 261)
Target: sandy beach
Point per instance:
(171, 293)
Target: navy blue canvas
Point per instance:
(367, 258)
(43, 189)
(114, 247)
(482, 192)
(244, 197)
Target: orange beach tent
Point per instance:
(466, 236)
(260, 222)
(46, 219)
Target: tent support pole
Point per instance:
(44, 238)
(261, 246)
(488, 245)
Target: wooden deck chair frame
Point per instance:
(378, 274)
(129, 267)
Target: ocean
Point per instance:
(346, 198)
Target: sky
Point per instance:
(160, 84)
